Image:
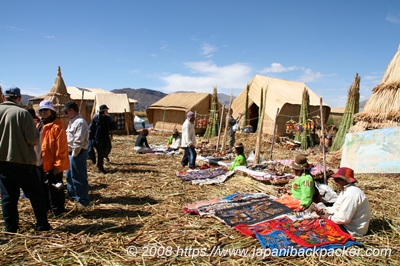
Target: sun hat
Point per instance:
(189, 115)
(346, 174)
(175, 132)
(239, 145)
(71, 105)
(300, 163)
(13, 92)
(45, 104)
(103, 107)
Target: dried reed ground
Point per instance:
(139, 203)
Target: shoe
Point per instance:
(43, 228)
(107, 159)
(101, 171)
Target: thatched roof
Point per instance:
(280, 92)
(58, 93)
(117, 102)
(180, 101)
(1, 94)
(382, 110)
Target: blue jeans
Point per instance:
(77, 179)
(14, 177)
(189, 157)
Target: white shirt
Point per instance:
(352, 210)
(188, 134)
(176, 143)
(77, 135)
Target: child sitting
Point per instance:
(141, 145)
(240, 159)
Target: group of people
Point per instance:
(34, 153)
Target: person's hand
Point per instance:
(300, 209)
(324, 216)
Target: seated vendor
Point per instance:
(351, 211)
(141, 145)
(174, 141)
(303, 185)
(240, 159)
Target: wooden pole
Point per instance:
(260, 131)
(323, 138)
(126, 121)
(273, 136)
(80, 107)
(223, 148)
(220, 127)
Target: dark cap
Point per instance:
(13, 92)
(71, 105)
(103, 107)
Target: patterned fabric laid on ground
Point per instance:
(264, 176)
(208, 207)
(216, 180)
(192, 207)
(288, 201)
(201, 174)
(310, 233)
(244, 196)
(300, 216)
(252, 213)
(277, 240)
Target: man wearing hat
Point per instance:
(351, 211)
(189, 141)
(100, 137)
(78, 143)
(18, 162)
(174, 141)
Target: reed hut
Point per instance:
(283, 94)
(382, 109)
(58, 95)
(170, 112)
(1, 95)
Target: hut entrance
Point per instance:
(253, 116)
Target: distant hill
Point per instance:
(362, 103)
(147, 97)
(25, 98)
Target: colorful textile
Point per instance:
(252, 213)
(288, 201)
(277, 240)
(192, 207)
(245, 196)
(201, 174)
(216, 180)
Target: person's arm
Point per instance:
(307, 192)
(145, 142)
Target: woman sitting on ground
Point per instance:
(174, 142)
(240, 159)
(141, 145)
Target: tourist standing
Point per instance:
(78, 142)
(100, 137)
(189, 141)
(17, 162)
(231, 130)
(54, 157)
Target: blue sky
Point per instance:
(189, 45)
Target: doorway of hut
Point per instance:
(253, 116)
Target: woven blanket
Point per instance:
(252, 213)
(288, 201)
(216, 180)
(201, 174)
(192, 207)
(283, 245)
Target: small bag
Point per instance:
(236, 127)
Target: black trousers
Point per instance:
(54, 198)
(14, 177)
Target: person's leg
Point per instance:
(231, 140)
(57, 198)
(69, 180)
(30, 184)
(192, 158)
(100, 155)
(9, 199)
(80, 179)
(185, 158)
(45, 187)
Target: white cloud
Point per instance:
(278, 68)
(309, 75)
(208, 50)
(393, 18)
(207, 75)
